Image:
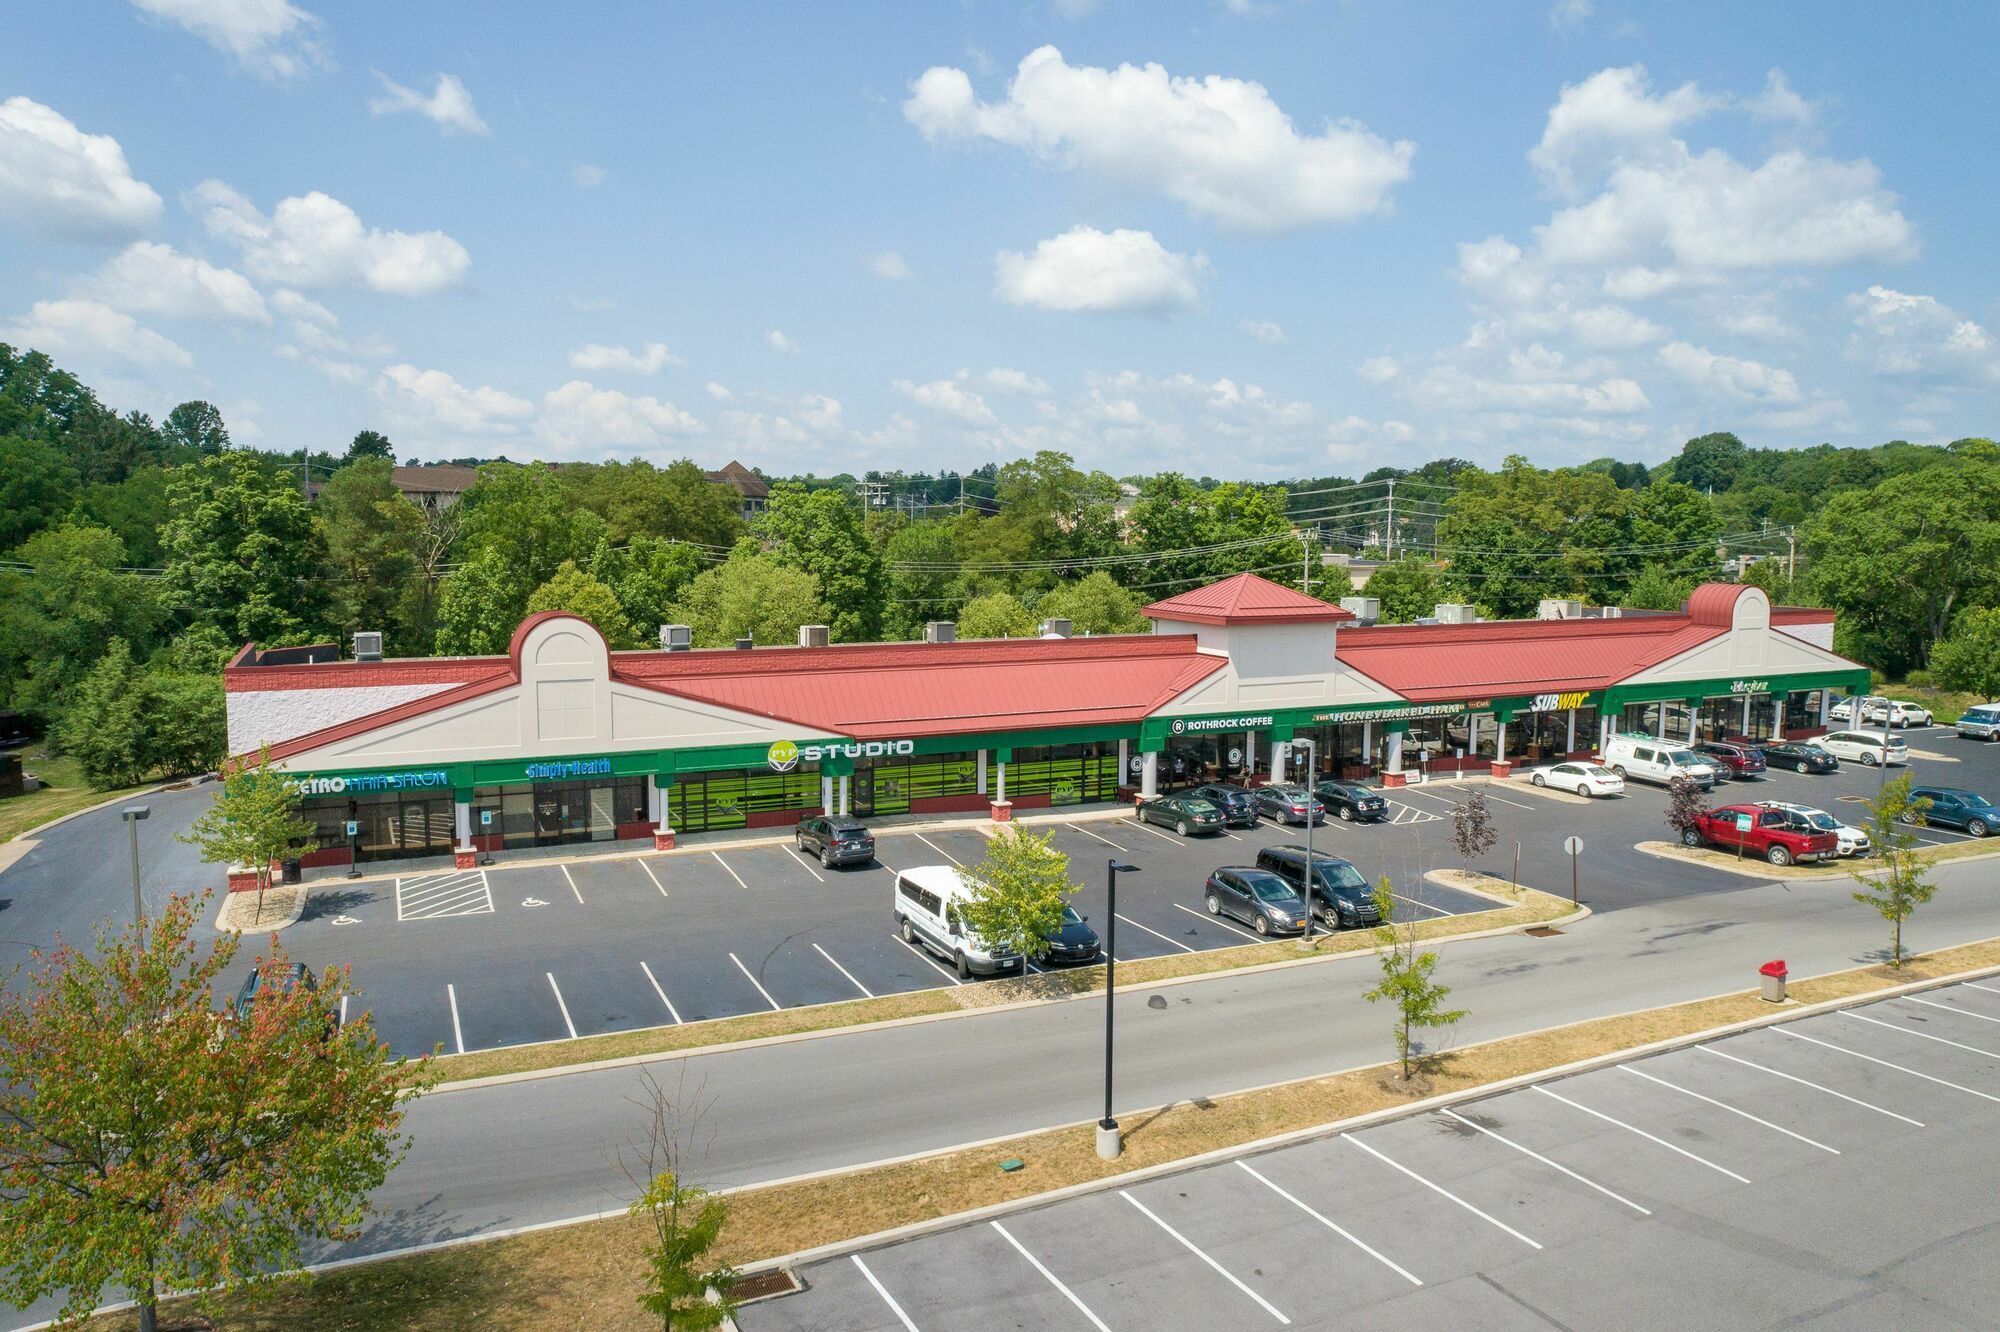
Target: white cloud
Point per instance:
(1612, 327)
(1570, 13)
(779, 341)
(649, 359)
(720, 392)
(1379, 369)
(1779, 103)
(61, 182)
(1101, 272)
(1610, 117)
(581, 418)
(949, 397)
(1002, 379)
(588, 176)
(437, 408)
(150, 278)
(1920, 337)
(1219, 146)
(314, 240)
(449, 106)
(1528, 391)
(1731, 376)
(1076, 9)
(1263, 330)
(269, 37)
(888, 264)
(317, 329)
(95, 333)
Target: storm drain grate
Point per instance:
(1853, 800)
(766, 1285)
(1542, 931)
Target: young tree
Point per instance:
(104, 725)
(1472, 830)
(149, 1143)
(996, 615)
(1897, 884)
(1969, 657)
(573, 590)
(1094, 604)
(253, 822)
(683, 1289)
(820, 531)
(1018, 894)
(373, 537)
(1406, 982)
(1685, 807)
(751, 594)
(1408, 589)
(244, 552)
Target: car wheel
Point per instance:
(826, 860)
(909, 935)
(1777, 855)
(1346, 814)
(1214, 905)
(1620, 770)
(964, 967)
(802, 843)
(1690, 838)
(1263, 925)
(1868, 759)
(1977, 827)
(1181, 827)
(1539, 780)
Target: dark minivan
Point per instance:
(836, 840)
(1341, 896)
(1259, 898)
(1956, 808)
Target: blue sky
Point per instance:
(1254, 239)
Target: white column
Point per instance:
(1124, 761)
(1000, 782)
(982, 772)
(1499, 741)
(462, 816)
(826, 795)
(1278, 762)
(1826, 705)
(1367, 744)
(1778, 718)
(1661, 714)
(1396, 751)
(1570, 744)
(1605, 730)
(845, 789)
(1746, 716)
(1149, 776)
(1249, 755)
(1472, 735)
(656, 804)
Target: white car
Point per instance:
(1851, 841)
(1898, 713)
(1843, 709)
(1865, 747)
(1586, 779)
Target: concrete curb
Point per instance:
(1575, 915)
(29, 834)
(1673, 851)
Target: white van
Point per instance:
(927, 916)
(1643, 758)
(1867, 748)
(1981, 722)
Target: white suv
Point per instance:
(1852, 841)
(1865, 747)
(1641, 758)
(1899, 713)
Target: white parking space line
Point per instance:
(926, 957)
(1425, 905)
(732, 873)
(1975, 985)
(671, 1011)
(1148, 828)
(844, 971)
(1189, 1245)
(1554, 1165)
(1441, 1191)
(1106, 840)
(433, 896)
(1797, 1036)
(1814, 1085)
(1505, 801)
(1682, 1151)
(1067, 1293)
(887, 1298)
(457, 1032)
(560, 1004)
(1155, 933)
(343, 1010)
(805, 862)
(1722, 1105)
(1921, 1035)
(1949, 1008)
(654, 877)
(754, 981)
(1217, 920)
(1379, 1257)
(940, 850)
(1407, 814)
(572, 885)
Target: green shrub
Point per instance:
(1920, 680)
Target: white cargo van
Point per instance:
(1642, 758)
(927, 899)
(1981, 722)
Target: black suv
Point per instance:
(1352, 801)
(836, 840)
(1238, 809)
(1341, 897)
(294, 976)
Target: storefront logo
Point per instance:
(1404, 712)
(1187, 725)
(1557, 702)
(373, 781)
(783, 756)
(567, 768)
(1749, 686)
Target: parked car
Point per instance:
(1075, 941)
(835, 839)
(926, 902)
(1238, 806)
(1798, 755)
(1586, 779)
(1339, 893)
(1735, 761)
(1843, 709)
(1849, 841)
(1897, 712)
(1644, 759)
(1865, 747)
(1777, 835)
(1353, 802)
(1185, 814)
(1257, 897)
(1956, 807)
(1981, 722)
(1289, 804)
(261, 980)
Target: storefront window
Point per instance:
(554, 813)
(393, 826)
(887, 786)
(738, 797)
(1067, 774)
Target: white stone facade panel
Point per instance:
(270, 716)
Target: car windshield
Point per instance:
(1070, 917)
(1971, 801)
(849, 834)
(1271, 888)
(1338, 874)
(1823, 821)
(1687, 760)
(1601, 772)
(1291, 793)
(1194, 806)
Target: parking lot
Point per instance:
(1835, 1171)
(536, 951)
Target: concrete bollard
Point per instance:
(1773, 975)
(1110, 1141)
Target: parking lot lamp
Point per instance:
(132, 814)
(1108, 1140)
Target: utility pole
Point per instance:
(1791, 555)
(1389, 550)
(1306, 569)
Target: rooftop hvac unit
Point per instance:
(1551, 608)
(745, 643)
(1055, 628)
(676, 638)
(368, 646)
(1611, 613)
(1451, 612)
(941, 631)
(813, 635)
(1367, 610)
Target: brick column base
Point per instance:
(1395, 779)
(663, 841)
(242, 881)
(1503, 768)
(465, 857)
(1003, 811)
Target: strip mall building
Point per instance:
(562, 740)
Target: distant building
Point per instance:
(435, 485)
(750, 488)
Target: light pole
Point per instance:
(1312, 794)
(1109, 1141)
(133, 814)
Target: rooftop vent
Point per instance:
(368, 646)
(813, 635)
(941, 631)
(746, 642)
(676, 638)
(1551, 608)
(1055, 628)
(1367, 610)
(1452, 612)
(1612, 613)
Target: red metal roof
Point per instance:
(1245, 599)
(1446, 662)
(1714, 603)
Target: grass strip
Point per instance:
(588, 1275)
(63, 792)
(1756, 866)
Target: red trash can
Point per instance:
(1773, 974)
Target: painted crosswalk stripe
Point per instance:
(434, 896)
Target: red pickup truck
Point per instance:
(1778, 835)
